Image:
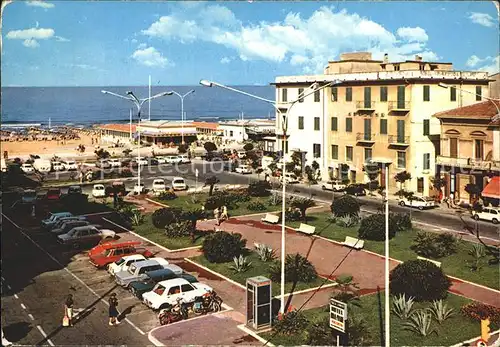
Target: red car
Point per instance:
(109, 252)
(54, 194)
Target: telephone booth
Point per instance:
(259, 303)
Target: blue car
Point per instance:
(54, 218)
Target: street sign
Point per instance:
(338, 315)
(481, 343)
(196, 173)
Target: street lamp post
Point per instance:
(182, 109)
(138, 103)
(284, 119)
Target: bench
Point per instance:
(306, 229)
(437, 263)
(271, 218)
(353, 242)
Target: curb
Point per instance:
(460, 344)
(243, 328)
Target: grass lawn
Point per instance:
(455, 329)
(454, 265)
(258, 268)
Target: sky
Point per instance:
(120, 43)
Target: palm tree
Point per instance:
(193, 216)
(303, 204)
(211, 181)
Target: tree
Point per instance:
(182, 148)
(220, 246)
(101, 153)
(438, 182)
(302, 204)
(211, 182)
(372, 170)
(473, 190)
(401, 178)
(193, 216)
(209, 146)
(248, 147)
(345, 206)
(373, 228)
(126, 152)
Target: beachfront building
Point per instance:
(380, 112)
(243, 130)
(116, 133)
(470, 150)
(495, 86)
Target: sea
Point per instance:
(85, 106)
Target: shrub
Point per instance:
(478, 252)
(373, 228)
(167, 195)
(440, 311)
(302, 204)
(297, 268)
(259, 188)
(345, 206)
(275, 199)
(126, 173)
(256, 206)
(137, 218)
(164, 216)
(432, 245)
(421, 323)
(219, 199)
(248, 147)
(240, 264)
(477, 311)
(291, 323)
(346, 221)
(179, 229)
(265, 252)
(220, 247)
(210, 146)
(292, 215)
(402, 307)
(401, 221)
(420, 279)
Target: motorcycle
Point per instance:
(210, 302)
(173, 313)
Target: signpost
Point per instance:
(338, 316)
(196, 172)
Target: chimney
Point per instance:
(418, 58)
(386, 58)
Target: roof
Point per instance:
(173, 281)
(492, 189)
(117, 127)
(481, 110)
(206, 125)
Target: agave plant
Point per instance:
(478, 252)
(347, 221)
(240, 264)
(440, 311)
(403, 306)
(137, 218)
(420, 322)
(265, 252)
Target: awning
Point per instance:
(492, 189)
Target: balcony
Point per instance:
(469, 163)
(399, 106)
(365, 138)
(364, 105)
(397, 140)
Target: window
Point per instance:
(427, 93)
(316, 150)
(316, 96)
(383, 126)
(420, 185)
(348, 94)
(231, 133)
(396, 67)
(479, 149)
(316, 123)
(335, 94)
(401, 160)
(118, 252)
(383, 93)
(301, 122)
(368, 97)
(367, 128)
(174, 290)
(479, 96)
(334, 123)
(335, 151)
(401, 97)
(186, 288)
(427, 161)
(368, 154)
(301, 91)
(401, 131)
(453, 94)
(284, 95)
(348, 153)
(348, 125)
(426, 126)
(453, 147)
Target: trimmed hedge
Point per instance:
(221, 247)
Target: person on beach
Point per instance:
(68, 309)
(113, 310)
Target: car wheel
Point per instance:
(401, 203)
(495, 221)
(420, 208)
(476, 217)
(323, 187)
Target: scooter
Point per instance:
(210, 302)
(173, 313)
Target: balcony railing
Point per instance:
(399, 105)
(399, 140)
(470, 163)
(365, 137)
(365, 105)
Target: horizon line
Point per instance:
(110, 86)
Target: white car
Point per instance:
(142, 161)
(242, 154)
(58, 166)
(98, 191)
(159, 185)
(70, 165)
(161, 160)
(115, 162)
(243, 169)
(333, 185)
(167, 292)
(291, 178)
(139, 189)
(173, 159)
(488, 213)
(27, 168)
(418, 202)
(124, 263)
(178, 183)
(184, 158)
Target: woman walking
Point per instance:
(113, 310)
(68, 311)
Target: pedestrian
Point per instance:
(224, 215)
(68, 311)
(217, 215)
(452, 199)
(113, 310)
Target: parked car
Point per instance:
(161, 160)
(54, 218)
(243, 169)
(124, 263)
(488, 213)
(61, 221)
(57, 166)
(184, 159)
(98, 191)
(173, 159)
(110, 252)
(334, 185)
(103, 164)
(418, 202)
(70, 165)
(141, 161)
(85, 235)
(355, 189)
(53, 194)
(178, 183)
(139, 189)
(68, 225)
(27, 168)
(167, 292)
(42, 165)
(138, 288)
(242, 154)
(75, 190)
(115, 162)
(159, 185)
(29, 196)
(153, 161)
(290, 178)
(137, 272)
(116, 187)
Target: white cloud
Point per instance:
(492, 67)
(32, 33)
(31, 43)
(142, 46)
(473, 61)
(150, 57)
(305, 42)
(488, 64)
(225, 60)
(483, 19)
(134, 41)
(416, 34)
(38, 3)
(61, 39)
